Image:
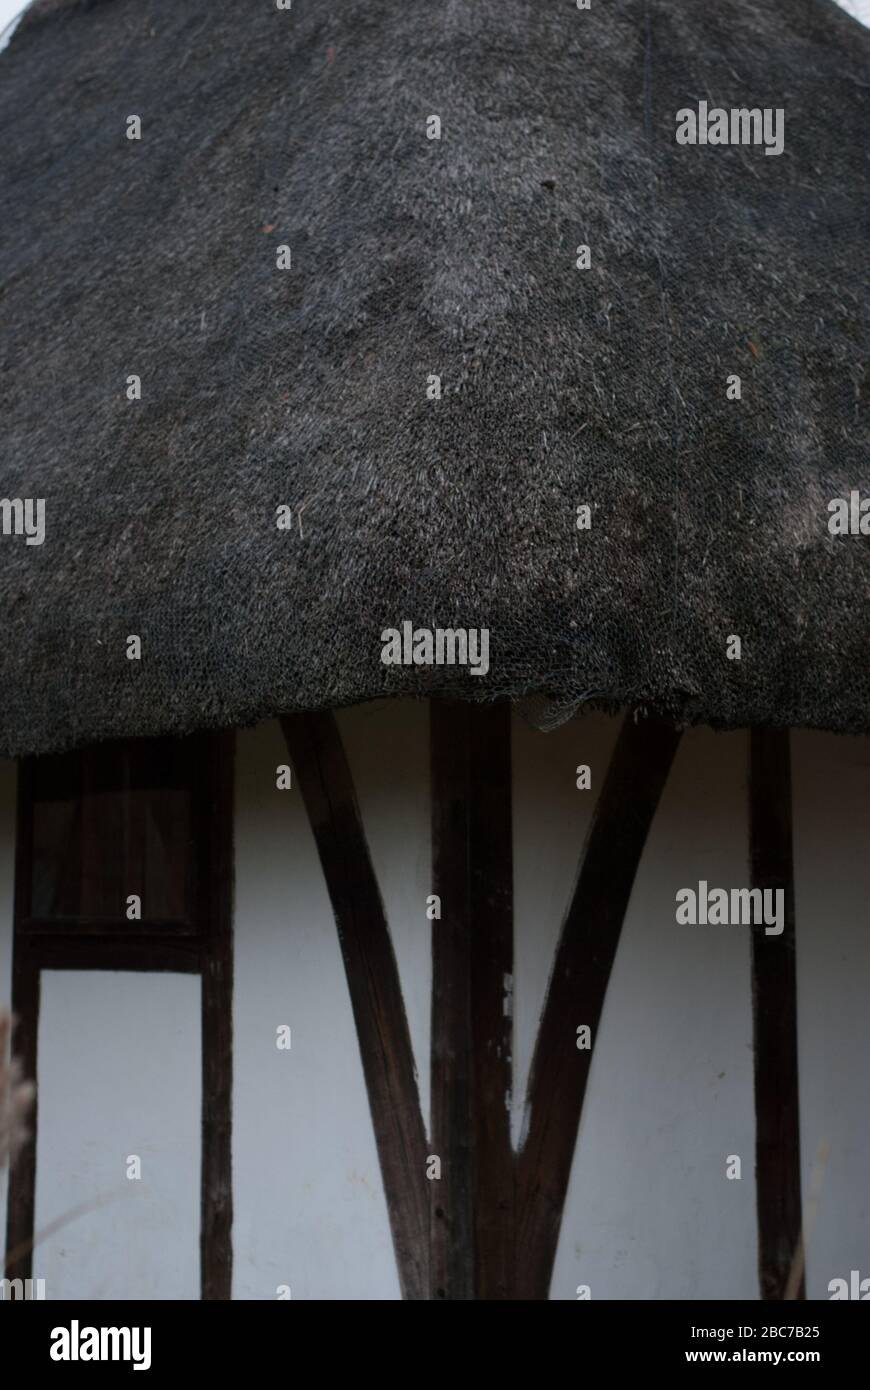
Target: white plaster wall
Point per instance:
(8, 783)
(119, 1074)
(309, 1202)
(831, 781)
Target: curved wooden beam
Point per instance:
(632, 789)
(319, 759)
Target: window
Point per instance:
(124, 862)
(110, 823)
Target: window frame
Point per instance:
(202, 946)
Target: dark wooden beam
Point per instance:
(324, 777)
(76, 928)
(216, 889)
(472, 1250)
(490, 841)
(626, 804)
(108, 951)
(451, 1272)
(774, 1013)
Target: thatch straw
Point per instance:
(412, 258)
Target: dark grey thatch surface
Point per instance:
(410, 257)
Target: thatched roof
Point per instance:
(411, 257)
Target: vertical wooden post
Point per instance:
(216, 1188)
(774, 1012)
(472, 1228)
(490, 841)
(451, 1272)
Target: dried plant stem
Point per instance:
(16, 1097)
(811, 1211)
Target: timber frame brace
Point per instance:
(488, 1228)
